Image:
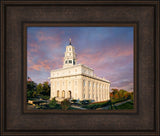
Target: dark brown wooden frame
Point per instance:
(15, 120)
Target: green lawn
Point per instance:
(127, 105)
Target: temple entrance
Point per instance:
(69, 94)
(63, 94)
(58, 93)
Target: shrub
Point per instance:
(53, 104)
(65, 104)
(44, 97)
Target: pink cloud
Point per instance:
(44, 65)
(104, 55)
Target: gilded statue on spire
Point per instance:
(70, 41)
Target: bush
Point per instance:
(65, 104)
(45, 97)
(53, 104)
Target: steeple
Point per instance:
(70, 56)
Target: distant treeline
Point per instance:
(38, 90)
(118, 95)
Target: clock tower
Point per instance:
(70, 56)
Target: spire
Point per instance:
(70, 41)
(69, 56)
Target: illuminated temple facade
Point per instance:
(77, 81)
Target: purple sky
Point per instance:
(108, 50)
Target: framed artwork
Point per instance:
(80, 68)
(56, 79)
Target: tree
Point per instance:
(31, 89)
(126, 95)
(132, 96)
(39, 89)
(46, 89)
(116, 96)
(114, 91)
(121, 93)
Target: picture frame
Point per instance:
(16, 15)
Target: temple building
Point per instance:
(77, 81)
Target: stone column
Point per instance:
(86, 88)
(108, 91)
(80, 88)
(66, 87)
(105, 90)
(51, 92)
(98, 91)
(91, 90)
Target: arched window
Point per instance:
(69, 94)
(63, 94)
(66, 61)
(58, 93)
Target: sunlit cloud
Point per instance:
(108, 50)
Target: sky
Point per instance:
(107, 50)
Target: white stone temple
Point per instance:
(77, 81)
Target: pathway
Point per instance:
(77, 107)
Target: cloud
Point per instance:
(109, 54)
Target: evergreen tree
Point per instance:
(31, 89)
